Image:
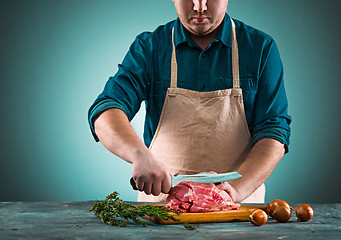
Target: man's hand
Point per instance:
(229, 189)
(226, 187)
(151, 176)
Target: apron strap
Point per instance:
(174, 66)
(235, 63)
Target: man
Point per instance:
(215, 101)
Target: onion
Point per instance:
(258, 217)
(304, 212)
(275, 203)
(282, 214)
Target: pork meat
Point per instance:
(199, 197)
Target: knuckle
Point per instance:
(164, 174)
(157, 176)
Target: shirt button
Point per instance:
(203, 87)
(203, 55)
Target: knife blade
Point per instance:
(205, 177)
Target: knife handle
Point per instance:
(133, 183)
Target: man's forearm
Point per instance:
(259, 164)
(117, 135)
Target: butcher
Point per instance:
(215, 102)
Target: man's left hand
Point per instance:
(229, 189)
(226, 187)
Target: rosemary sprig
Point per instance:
(113, 211)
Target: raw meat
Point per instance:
(199, 197)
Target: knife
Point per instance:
(200, 177)
(205, 177)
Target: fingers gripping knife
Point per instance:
(200, 177)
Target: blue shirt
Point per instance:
(145, 73)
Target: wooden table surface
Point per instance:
(72, 220)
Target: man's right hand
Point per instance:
(150, 176)
(117, 135)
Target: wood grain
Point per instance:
(242, 214)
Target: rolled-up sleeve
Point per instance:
(128, 87)
(271, 119)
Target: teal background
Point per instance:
(55, 57)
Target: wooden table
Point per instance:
(72, 220)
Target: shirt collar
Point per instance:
(180, 36)
(224, 34)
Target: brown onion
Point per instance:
(275, 203)
(304, 212)
(282, 214)
(258, 217)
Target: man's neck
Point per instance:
(204, 41)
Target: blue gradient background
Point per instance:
(55, 57)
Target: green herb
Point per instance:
(113, 211)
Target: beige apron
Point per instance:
(203, 131)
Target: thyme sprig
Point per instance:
(113, 211)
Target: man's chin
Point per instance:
(200, 30)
